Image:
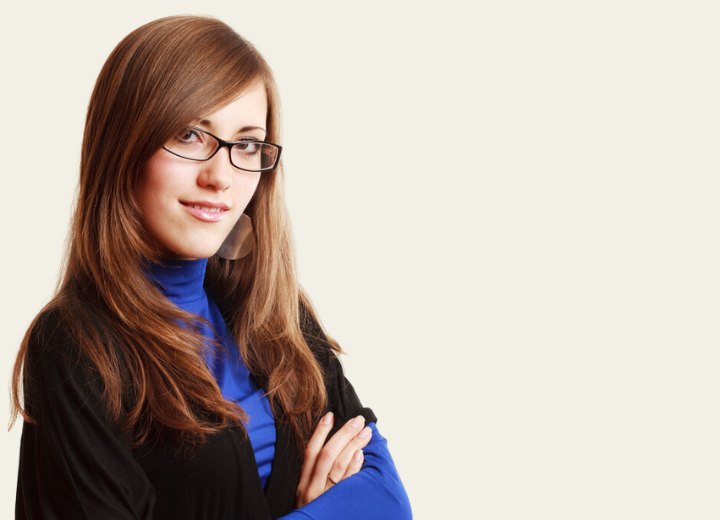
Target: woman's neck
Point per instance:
(180, 280)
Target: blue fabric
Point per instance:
(182, 282)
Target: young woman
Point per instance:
(180, 372)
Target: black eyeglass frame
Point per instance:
(229, 144)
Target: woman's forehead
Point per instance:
(247, 111)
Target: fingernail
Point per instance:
(358, 455)
(357, 422)
(327, 419)
(365, 433)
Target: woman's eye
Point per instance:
(189, 136)
(250, 146)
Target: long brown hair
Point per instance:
(158, 78)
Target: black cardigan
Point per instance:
(77, 464)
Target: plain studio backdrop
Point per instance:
(505, 212)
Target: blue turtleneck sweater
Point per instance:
(182, 281)
(375, 492)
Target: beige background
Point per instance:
(506, 212)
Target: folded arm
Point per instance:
(375, 492)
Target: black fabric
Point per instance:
(77, 464)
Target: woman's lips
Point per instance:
(206, 211)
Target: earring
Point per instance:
(240, 242)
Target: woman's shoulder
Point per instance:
(343, 399)
(54, 358)
(48, 324)
(324, 349)
(49, 335)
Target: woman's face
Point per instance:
(190, 207)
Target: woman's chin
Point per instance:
(194, 252)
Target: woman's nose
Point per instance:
(217, 172)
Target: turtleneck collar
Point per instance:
(180, 280)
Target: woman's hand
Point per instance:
(328, 463)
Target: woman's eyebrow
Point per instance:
(208, 123)
(247, 128)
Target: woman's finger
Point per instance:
(355, 464)
(339, 468)
(315, 444)
(330, 452)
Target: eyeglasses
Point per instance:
(247, 154)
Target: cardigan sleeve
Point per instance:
(74, 461)
(376, 491)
